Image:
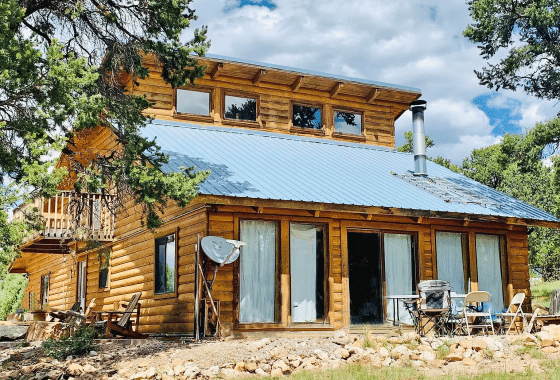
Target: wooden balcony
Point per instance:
(69, 216)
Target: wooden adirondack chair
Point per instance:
(62, 315)
(80, 318)
(123, 325)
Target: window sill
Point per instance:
(241, 123)
(193, 117)
(307, 131)
(165, 296)
(348, 136)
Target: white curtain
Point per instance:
(257, 271)
(450, 265)
(398, 272)
(490, 269)
(303, 272)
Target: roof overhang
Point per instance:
(370, 211)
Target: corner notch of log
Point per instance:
(297, 83)
(258, 76)
(336, 89)
(216, 72)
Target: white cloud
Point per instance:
(401, 42)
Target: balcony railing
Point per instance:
(71, 215)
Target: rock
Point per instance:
(479, 344)
(469, 362)
(500, 355)
(250, 367)
(395, 340)
(178, 369)
(465, 343)
(478, 356)
(151, 373)
(383, 352)
(494, 344)
(177, 362)
(276, 372)
(282, 365)
(211, 372)
(427, 356)
(265, 367)
(144, 364)
(229, 373)
(191, 372)
(549, 350)
(138, 376)
(54, 374)
(12, 332)
(342, 353)
(468, 353)
(321, 354)
(544, 335)
(411, 337)
(240, 366)
(435, 344)
(26, 369)
(547, 343)
(376, 361)
(438, 363)
(88, 368)
(387, 362)
(355, 350)
(528, 338)
(340, 334)
(295, 363)
(424, 347)
(417, 363)
(454, 357)
(400, 352)
(74, 369)
(358, 343)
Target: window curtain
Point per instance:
(303, 272)
(450, 265)
(398, 272)
(490, 269)
(257, 271)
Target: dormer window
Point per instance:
(240, 108)
(349, 123)
(304, 116)
(193, 102)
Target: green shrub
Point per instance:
(11, 293)
(71, 345)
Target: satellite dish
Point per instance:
(220, 250)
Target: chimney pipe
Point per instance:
(419, 137)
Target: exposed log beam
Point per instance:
(373, 95)
(336, 89)
(297, 83)
(259, 76)
(216, 72)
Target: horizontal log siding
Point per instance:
(275, 103)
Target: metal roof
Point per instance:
(264, 165)
(222, 58)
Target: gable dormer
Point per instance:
(245, 94)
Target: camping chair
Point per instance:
(122, 326)
(515, 311)
(434, 307)
(543, 315)
(474, 309)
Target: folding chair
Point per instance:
(474, 309)
(515, 304)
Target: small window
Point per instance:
(165, 265)
(239, 108)
(103, 276)
(306, 117)
(44, 291)
(193, 102)
(348, 122)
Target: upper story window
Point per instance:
(240, 108)
(348, 122)
(193, 102)
(306, 116)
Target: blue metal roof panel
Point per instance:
(311, 72)
(259, 164)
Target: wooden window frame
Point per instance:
(84, 259)
(278, 272)
(283, 250)
(466, 257)
(175, 293)
(42, 302)
(240, 94)
(361, 136)
(193, 116)
(326, 272)
(308, 131)
(503, 261)
(108, 280)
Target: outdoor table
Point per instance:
(396, 298)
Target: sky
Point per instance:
(411, 43)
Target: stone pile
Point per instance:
(281, 357)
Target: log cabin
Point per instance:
(303, 169)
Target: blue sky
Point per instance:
(412, 43)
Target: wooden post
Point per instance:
(196, 300)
